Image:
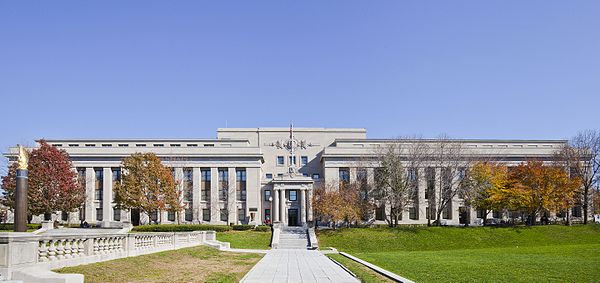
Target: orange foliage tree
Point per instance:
(484, 180)
(337, 205)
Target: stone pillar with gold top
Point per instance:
(21, 191)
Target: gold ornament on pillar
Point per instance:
(23, 160)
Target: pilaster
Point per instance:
(107, 195)
(214, 195)
(196, 195)
(232, 197)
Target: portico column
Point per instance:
(107, 197)
(282, 203)
(303, 206)
(309, 206)
(275, 205)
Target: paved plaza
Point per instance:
(297, 265)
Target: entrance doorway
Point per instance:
(292, 217)
(135, 217)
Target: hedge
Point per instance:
(180, 228)
(242, 227)
(263, 228)
(10, 226)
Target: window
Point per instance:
(577, 211)
(188, 187)
(205, 184)
(344, 176)
(188, 214)
(481, 213)
(412, 174)
(73, 145)
(223, 183)
(293, 195)
(279, 174)
(304, 160)
(116, 177)
(90, 145)
(292, 160)
(269, 176)
(175, 145)
(154, 216)
(123, 145)
(57, 145)
(99, 214)
(279, 160)
(171, 215)
(316, 176)
(430, 176)
(81, 176)
(240, 177)
(209, 145)
(241, 215)
(99, 190)
(267, 214)
(106, 145)
(140, 144)
(192, 145)
(205, 214)
(64, 216)
(447, 212)
(224, 215)
(267, 194)
(412, 213)
(117, 214)
(158, 145)
(496, 214)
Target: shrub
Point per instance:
(10, 226)
(243, 227)
(263, 228)
(180, 228)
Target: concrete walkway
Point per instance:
(296, 265)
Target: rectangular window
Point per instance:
(267, 214)
(240, 184)
(412, 174)
(116, 214)
(154, 216)
(269, 176)
(304, 160)
(412, 213)
(496, 214)
(292, 160)
(267, 194)
(481, 213)
(577, 211)
(280, 160)
(81, 176)
(99, 214)
(224, 215)
(206, 215)
(316, 176)
(64, 216)
(223, 183)
(430, 176)
(279, 174)
(447, 212)
(205, 184)
(116, 175)
(188, 214)
(171, 216)
(99, 190)
(344, 176)
(188, 186)
(241, 215)
(293, 195)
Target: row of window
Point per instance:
(314, 176)
(292, 160)
(292, 195)
(141, 145)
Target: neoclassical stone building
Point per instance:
(254, 175)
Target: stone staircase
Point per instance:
(293, 238)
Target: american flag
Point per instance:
(291, 131)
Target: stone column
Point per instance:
(214, 195)
(282, 217)
(90, 181)
(232, 197)
(179, 179)
(303, 206)
(275, 205)
(309, 209)
(422, 205)
(107, 196)
(196, 213)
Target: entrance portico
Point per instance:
(292, 200)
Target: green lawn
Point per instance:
(246, 239)
(196, 264)
(477, 254)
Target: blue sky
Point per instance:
(134, 69)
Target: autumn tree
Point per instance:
(53, 184)
(338, 204)
(536, 187)
(582, 158)
(396, 177)
(482, 181)
(147, 185)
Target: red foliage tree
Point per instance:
(53, 184)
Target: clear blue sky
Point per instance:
(134, 69)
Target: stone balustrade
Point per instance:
(20, 251)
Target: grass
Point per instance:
(478, 254)
(246, 239)
(361, 271)
(196, 264)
